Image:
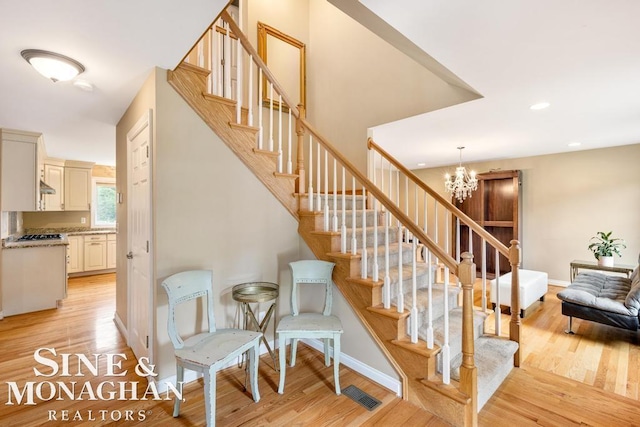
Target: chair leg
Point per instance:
(294, 351)
(283, 361)
(179, 381)
(253, 370)
(327, 359)
(336, 362)
(210, 397)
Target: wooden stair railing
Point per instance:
(357, 270)
(512, 253)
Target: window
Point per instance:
(103, 208)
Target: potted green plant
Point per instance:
(604, 246)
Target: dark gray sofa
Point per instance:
(602, 298)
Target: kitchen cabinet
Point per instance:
(54, 177)
(95, 252)
(77, 186)
(33, 278)
(76, 254)
(20, 173)
(111, 250)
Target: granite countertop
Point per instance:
(11, 243)
(71, 231)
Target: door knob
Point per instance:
(130, 255)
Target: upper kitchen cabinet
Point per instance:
(20, 170)
(77, 185)
(54, 177)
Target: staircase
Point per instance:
(387, 258)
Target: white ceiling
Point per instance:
(118, 41)
(582, 56)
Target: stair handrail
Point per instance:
(444, 257)
(501, 247)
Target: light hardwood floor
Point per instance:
(544, 391)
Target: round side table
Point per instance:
(258, 292)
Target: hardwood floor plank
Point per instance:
(544, 391)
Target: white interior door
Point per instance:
(139, 236)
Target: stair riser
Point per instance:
(360, 203)
(393, 237)
(348, 218)
(394, 256)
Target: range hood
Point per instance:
(46, 189)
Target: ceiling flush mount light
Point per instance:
(539, 106)
(463, 183)
(422, 164)
(574, 144)
(52, 65)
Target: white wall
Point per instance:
(566, 199)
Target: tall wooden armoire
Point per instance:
(496, 206)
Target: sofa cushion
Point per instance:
(602, 292)
(633, 298)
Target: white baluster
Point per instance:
(414, 295)
(261, 132)
(210, 59)
(310, 194)
(457, 245)
(496, 311)
(406, 205)
(354, 241)
(201, 53)
(375, 267)
(484, 275)
(250, 94)
(220, 37)
(270, 116)
(289, 163)
(457, 240)
(318, 182)
(386, 295)
(446, 351)
(326, 191)
(334, 220)
(239, 81)
(364, 236)
(343, 228)
(430, 279)
(227, 62)
(400, 287)
(279, 133)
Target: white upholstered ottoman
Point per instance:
(533, 286)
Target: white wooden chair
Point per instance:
(209, 351)
(310, 325)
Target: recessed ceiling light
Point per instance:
(422, 164)
(574, 144)
(52, 65)
(539, 106)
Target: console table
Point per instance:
(593, 265)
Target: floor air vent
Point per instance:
(361, 397)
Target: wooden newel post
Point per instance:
(514, 324)
(468, 370)
(301, 188)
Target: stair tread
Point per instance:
(493, 358)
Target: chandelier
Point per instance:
(463, 183)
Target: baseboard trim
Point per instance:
(121, 328)
(561, 283)
(363, 369)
